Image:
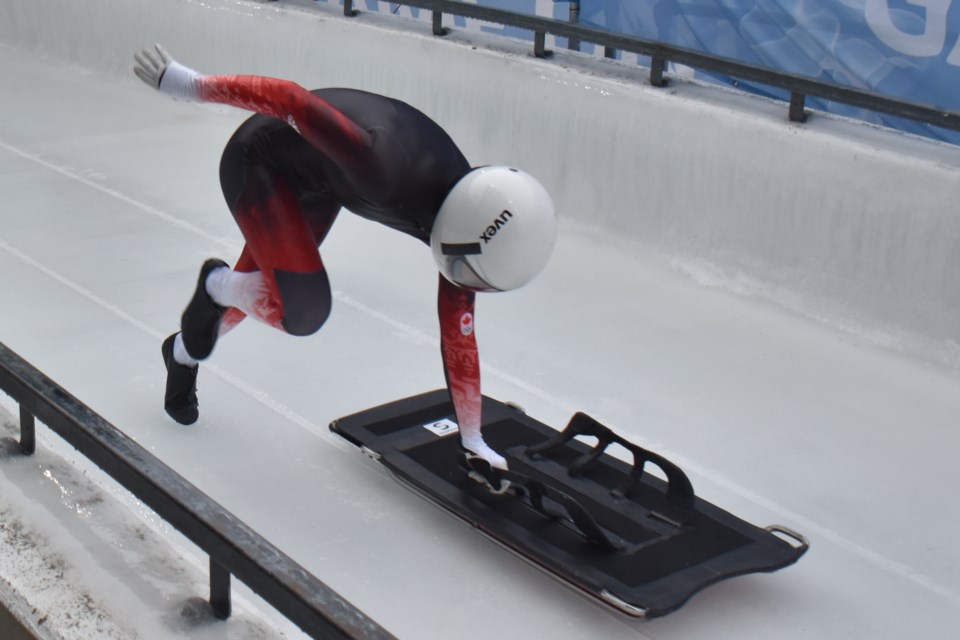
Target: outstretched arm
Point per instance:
(461, 362)
(325, 127)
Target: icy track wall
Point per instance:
(840, 220)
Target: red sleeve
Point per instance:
(461, 361)
(325, 127)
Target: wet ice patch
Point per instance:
(78, 562)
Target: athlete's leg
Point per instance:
(246, 287)
(212, 288)
(296, 300)
(279, 278)
(292, 298)
(290, 289)
(236, 289)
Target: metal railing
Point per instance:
(233, 547)
(660, 54)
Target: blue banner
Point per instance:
(909, 49)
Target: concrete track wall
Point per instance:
(853, 224)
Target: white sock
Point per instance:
(180, 353)
(230, 288)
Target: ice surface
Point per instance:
(110, 204)
(82, 561)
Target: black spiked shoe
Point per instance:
(200, 323)
(180, 397)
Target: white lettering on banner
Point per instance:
(922, 45)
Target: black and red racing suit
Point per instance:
(289, 169)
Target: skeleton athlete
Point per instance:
(286, 173)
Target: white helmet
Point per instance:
(495, 231)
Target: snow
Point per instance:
(791, 347)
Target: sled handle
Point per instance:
(535, 492)
(679, 489)
(580, 517)
(803, 543)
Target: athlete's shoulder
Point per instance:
(366, 105)
(345, 96)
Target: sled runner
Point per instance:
(639, 543)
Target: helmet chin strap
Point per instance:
(461, 272)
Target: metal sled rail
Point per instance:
(234, 548)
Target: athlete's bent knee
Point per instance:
(306, 301)
(305, 320)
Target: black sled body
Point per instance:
(607, 527)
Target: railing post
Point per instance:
(219, 590)
(797, 100)
(572, 44)
(657, 66)
(540, 45)
(438, 29)
(28, 431)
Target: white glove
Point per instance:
(477, 446)
(161, 72)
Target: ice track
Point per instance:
(110, 204)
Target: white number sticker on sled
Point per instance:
(442, 427)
